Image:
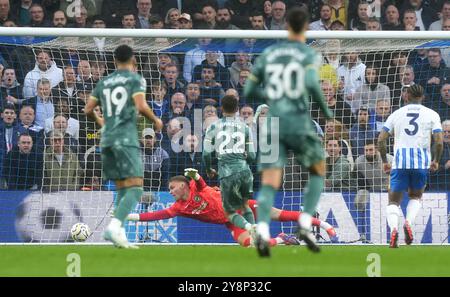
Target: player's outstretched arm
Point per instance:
(252, 89)
(151, 216)
(145, 110)
(312, 84)
(89, 111)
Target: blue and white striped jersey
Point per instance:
(412, 127)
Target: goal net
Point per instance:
(57, 182)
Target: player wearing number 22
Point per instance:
(289, 73)
(120, 95)
(231, 141)
(412, 127)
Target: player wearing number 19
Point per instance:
(289, 73)
(230, 139)
(412, 127)
(119, 95)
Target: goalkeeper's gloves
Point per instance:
(192, 173)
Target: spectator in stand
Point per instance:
(410, 20)
(193, 100)
(361, 131)
(59, 19)
(38, 16)
(324, 22)
(241, 10)
(10, 89)
(382, 111)
(267, 9)
(209, 111)
(392, 17)
(425, 14)
(341, 110)
(156, 22)
(439, 180)
(359, 23)
(42, 103)
(443, 106)
(335, 130)
(369, 169)
(257, 21)
(243, 76)
(195, 8)
(445, 52)
(27, 121)
(242, 61)
(196, 56)
(22, 166)
(222, 75)
(98, 69)
(373, 24)
(209, 88)
(171, 20)
(350, 75)
(143, 14)
(84, 76)
(338, 177)
(337, 25)
(405, 78)
(159, 103)
(9, 131)
(61, 168)
(434, 74)
(67, 89)
(156, 162)
(45, 68)
(445, 15)
(223, 20)
(60, 125)
(246, 114)
(278, 21)
(171, 81)
(112, 11)
(128, 21)
(338, 11)
(20, 11)
(185, 21)
(370, 91)
(209, 17)
(177, 108)
(73, 125)
(81, 19)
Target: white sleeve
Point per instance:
(28, 86)
(187, 67)
(389, 124)
(437, 126)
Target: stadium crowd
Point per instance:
(47, 143)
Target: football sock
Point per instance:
(305, 221)
(248, 215)
(265, 201)
(239, 221)
(247, 242)
(392, 212)
(315, 222)
(412, 210)
(128, 202)
(288, 216)
(313, 192)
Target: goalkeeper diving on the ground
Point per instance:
(196, 200)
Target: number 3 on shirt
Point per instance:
(413, 123)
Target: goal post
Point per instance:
(364, 76)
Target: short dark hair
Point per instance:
(123, 53)
(370, 141)
(9, 106)
(297, 18)
(178, 178)
(229, 104)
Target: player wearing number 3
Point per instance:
(289, 73)
(412, 127)
(119, 95)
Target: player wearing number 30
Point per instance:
(412, 127)
(289, 73)
(119, 95)
(231, 141)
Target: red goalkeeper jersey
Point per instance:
(204, 204)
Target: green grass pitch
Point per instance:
(186, 261)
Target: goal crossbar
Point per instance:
(257, 34)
